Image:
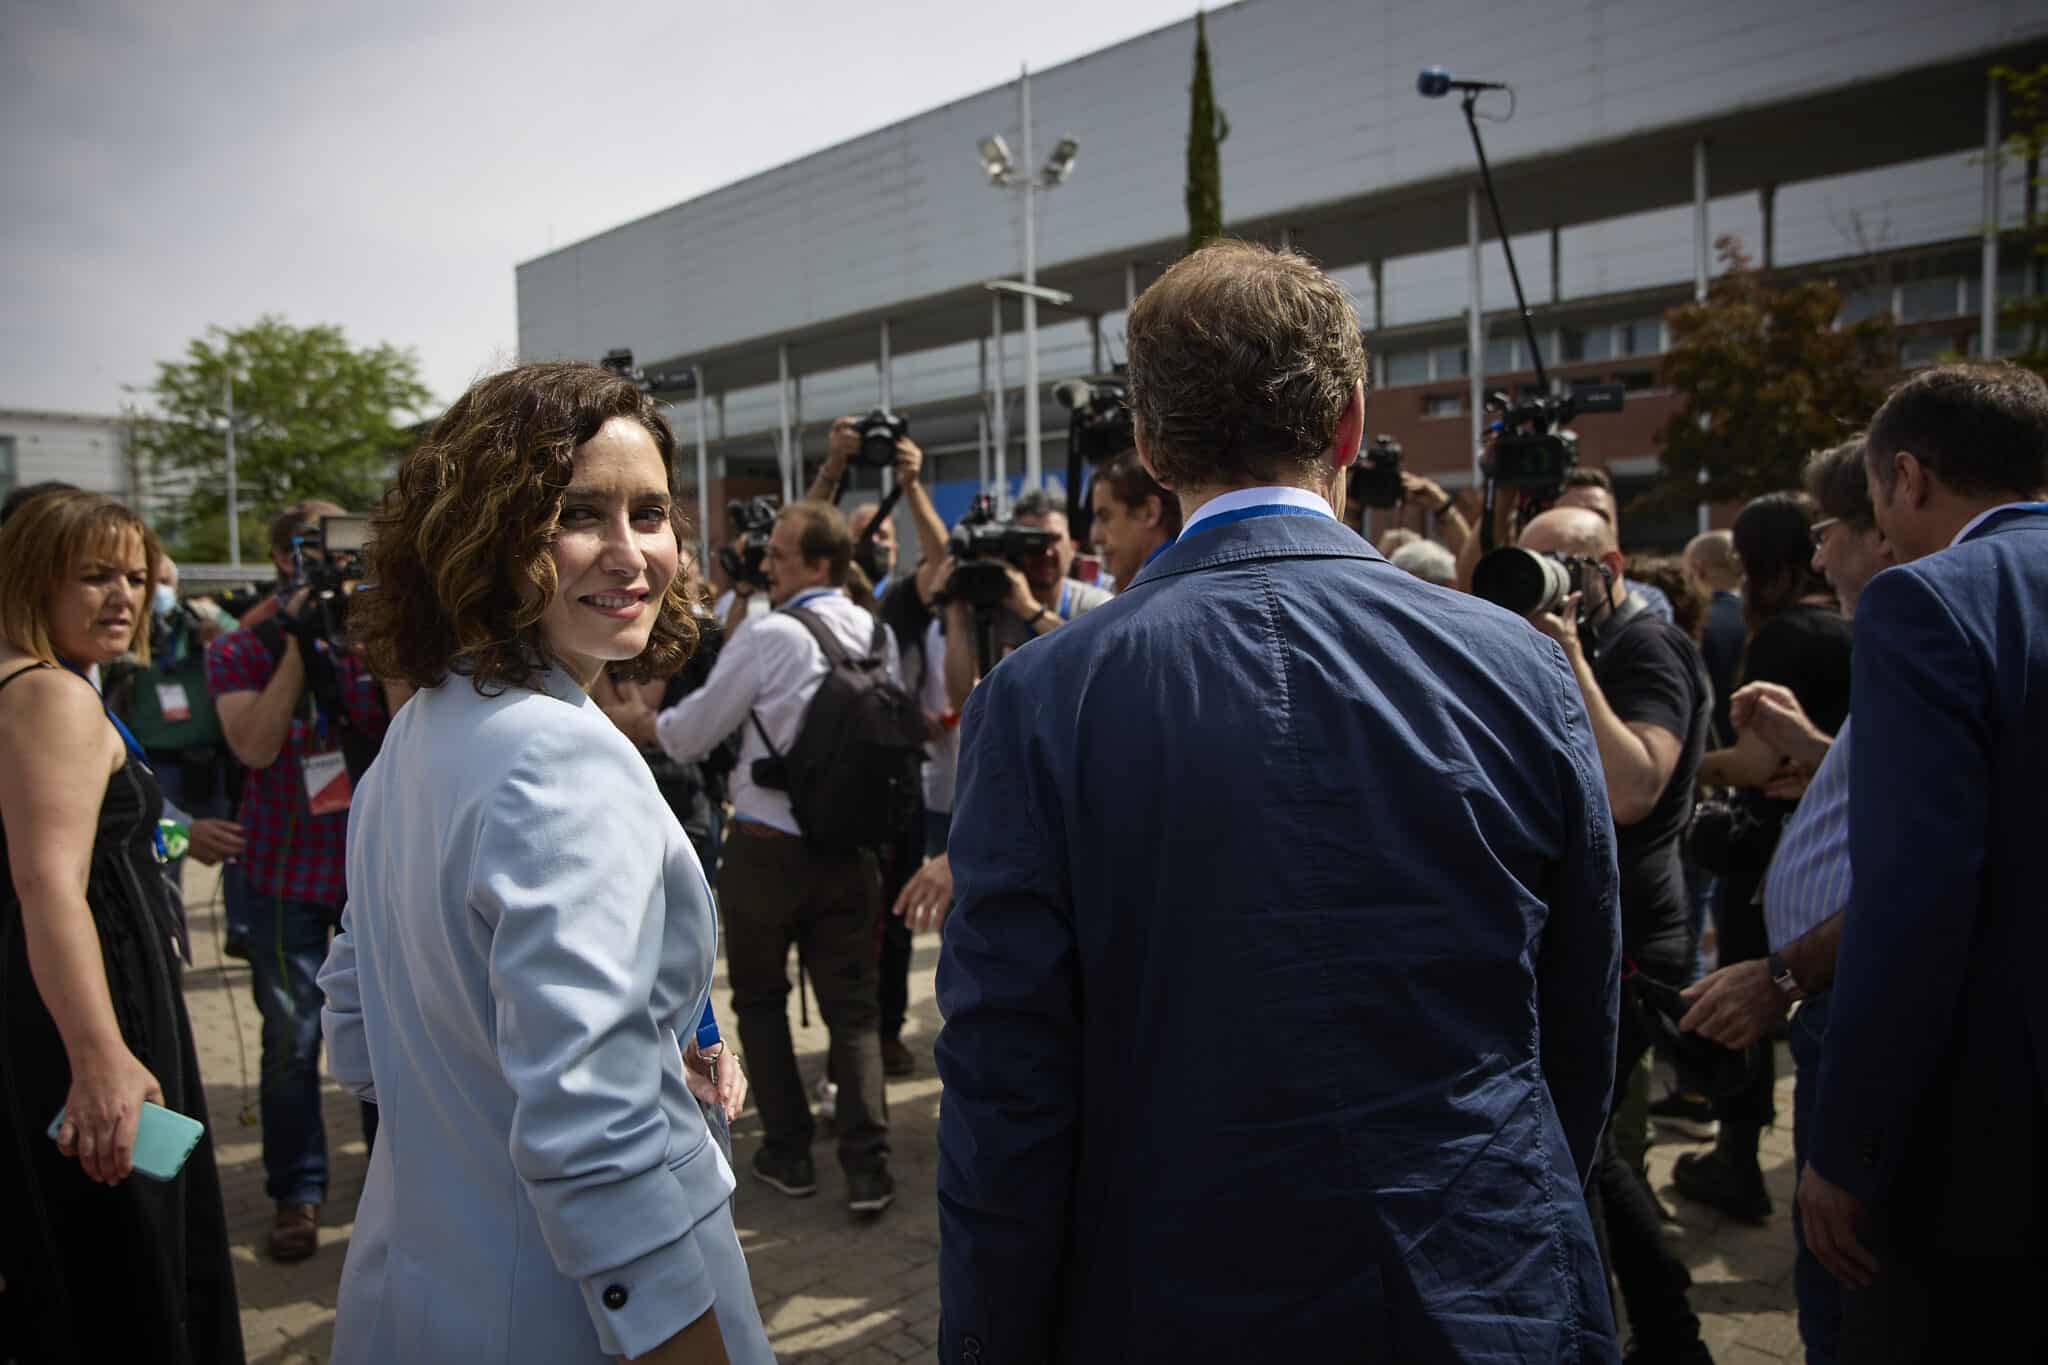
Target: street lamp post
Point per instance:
(234, 493)
(1002, 173)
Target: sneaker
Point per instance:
(1692, 1115)
(794, 1175)
(295, 1232)
(827, 1095)
(1712, 1179)
(236, 945)
(898, 1061)
(869, 1192)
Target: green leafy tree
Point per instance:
(2026, 138)
(1207, 128)
(314, 417)
(1768, 377)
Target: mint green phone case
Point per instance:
(163, 1140)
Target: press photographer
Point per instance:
(1650, 705)
(742, 561)
(1134, 516)
(304, 716)
(1007, 584)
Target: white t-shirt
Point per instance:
(942, 755)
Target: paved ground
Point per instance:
(831, 1290)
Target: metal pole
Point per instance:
(1095, 342)
(1379, 295)
(1556, 264)
(1032, 470)
(1000, 471)
(782, 432)
(1475, 339)
(1768, 202)
(234, 492)
(1700, 244)
(1987, 345)
(888, 383)
(703, 482)
(981, 444)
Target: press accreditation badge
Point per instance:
(327, 786)
(172, 701)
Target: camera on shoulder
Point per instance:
(982, 546)
(1376, 476)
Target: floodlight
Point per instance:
(995, 157)
(1061, 163)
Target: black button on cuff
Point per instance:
(615, 1297)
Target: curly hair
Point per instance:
(457, 568)
(1242, 361)
(45, 540)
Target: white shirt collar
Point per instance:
(1271, 495)
(1986, 515)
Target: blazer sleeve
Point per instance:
(1578, 967)
(569, 879)
(341, 1018)
(1010, 1051)
(1919, 793)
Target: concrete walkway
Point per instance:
(830, 1289)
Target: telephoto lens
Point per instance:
(1521, 580)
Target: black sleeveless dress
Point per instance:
(135, 1271)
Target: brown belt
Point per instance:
(765, 831)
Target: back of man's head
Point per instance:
(1835, 481)
(1242, 362)
(1428, 561)
(1710, 558)
(1982, 430)
(822, 534)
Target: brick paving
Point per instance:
(831, 1289)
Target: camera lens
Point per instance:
(1521, 580)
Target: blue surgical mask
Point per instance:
(165, 600)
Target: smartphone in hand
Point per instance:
(164, 1140)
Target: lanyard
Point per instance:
(135, 752)
(807, 595)
(1066, 601)
(1271, 509)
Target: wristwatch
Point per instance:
(1782, 978)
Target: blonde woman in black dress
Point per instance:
(98, 1263)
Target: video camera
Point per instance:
(327, 560)
(1098, 422)
(879, 432)
(620, 362)
(1376, 477)
(1533, 450)
(981, 545)
(755, 518)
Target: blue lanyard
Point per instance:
(707, 1028)
(135, 752)
(1271, 509)
(807, 595)
(1158, 551)
(1066, 601)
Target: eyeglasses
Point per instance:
(1819, 530)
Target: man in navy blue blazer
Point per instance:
(1280, 985)
(1927, 1188)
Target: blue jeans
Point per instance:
(287, 944)
(1818, 1293)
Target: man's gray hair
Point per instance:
(1428, 561)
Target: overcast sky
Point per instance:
(166, 165)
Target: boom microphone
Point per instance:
(1436, 82)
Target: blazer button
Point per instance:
(615, 1297)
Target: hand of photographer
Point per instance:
(927, 896)
(1560, 625)
(1022, 602)
(1427, 492)
(214, 841)
(909, 461)
(843, 444)
(1774, 714)
(1735, 1005)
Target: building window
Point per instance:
(1637, 381)
(1447, 362)
(1588, 343)
(1873, 302)
(1924, 299)
(1407, 367)
(1503, 356)
(1915, 351)
(1645, 336)
(1442, 404)
(2012, 282)
(2010, 342)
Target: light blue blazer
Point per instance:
(528, 942)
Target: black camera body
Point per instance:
(756, 519)
(1534, 450)
(330, 573)
(1376, 476)
(879, 432)
(1099, 417)
(981, 545)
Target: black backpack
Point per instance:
(853, 773)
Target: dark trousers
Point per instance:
(898, 866)
(775, 891)
(1653, 1281)
(1739, 926)
(1928, 1307)
(1819, 1294)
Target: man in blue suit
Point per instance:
(1926, 1191)
(1280, 986)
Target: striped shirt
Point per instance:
(1809, 876)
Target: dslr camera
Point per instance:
(982, 546)
(879, 432)
(1376, 477)
(1533, 450)
(755, 518)
(1526, 581)
(1098, 421)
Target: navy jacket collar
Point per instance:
(2029, 516)
(1234, 542)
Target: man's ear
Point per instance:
(1912, 478)
(1145, 457)
(1350, 430)
(1149, 513)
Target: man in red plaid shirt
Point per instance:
(295, 815)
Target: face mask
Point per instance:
(165, 600)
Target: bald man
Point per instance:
(1710, 562)
(1649, 701)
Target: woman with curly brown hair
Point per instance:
(529, 936)
(96, 1263)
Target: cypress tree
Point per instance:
(1207, 128)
